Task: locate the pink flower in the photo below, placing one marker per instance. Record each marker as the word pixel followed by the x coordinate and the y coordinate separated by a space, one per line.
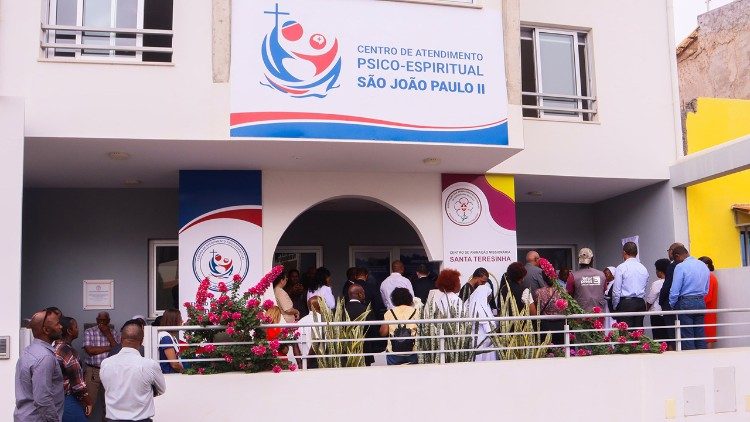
pixel 236 315
pixel 210 348
pixel 252 303
pixel 223 287
pixel 213 318
pixel 202 371
pixel 236 278
pixel 225 315
pixel 622 325
pixel 210 295
pixel 259 350
pixel 572 336
pixel 186 304
pixel 581 352
pixel 637 334
pixel 274 344
pixel 205 284
pixel 608 338
pixel 230 330
pixel 548 269
pixel 274 353
pixel 200 318
pixel 598 324
pixel 621 339
pixel 266 319
pixel 268 304
pixel 597 310
pixel 223 298
pixel 228 358
pixel 663 347
pixel 561 304
pixel 293 367
pixel 276 369
pixel 646 347
pixel 296 334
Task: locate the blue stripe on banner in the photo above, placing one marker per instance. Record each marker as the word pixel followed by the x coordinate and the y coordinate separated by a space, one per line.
pixel 203 191
pixel 493 135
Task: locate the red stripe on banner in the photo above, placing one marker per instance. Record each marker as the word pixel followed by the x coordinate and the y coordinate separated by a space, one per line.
pixel 252 117
pixel 253 216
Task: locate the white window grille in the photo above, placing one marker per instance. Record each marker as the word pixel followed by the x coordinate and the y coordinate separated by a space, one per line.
pixel 111 30
pixel 556 74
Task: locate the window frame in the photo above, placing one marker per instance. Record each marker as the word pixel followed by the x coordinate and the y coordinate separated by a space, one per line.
pixel 153 244
pixel 745 245
pixel 318 250
pixel 476 4
pixel 572 248
pixel 576 116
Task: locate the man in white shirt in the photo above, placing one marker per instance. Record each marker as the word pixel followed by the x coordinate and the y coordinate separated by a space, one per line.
pixel 130 380
pixel 629 286
pixel 396 279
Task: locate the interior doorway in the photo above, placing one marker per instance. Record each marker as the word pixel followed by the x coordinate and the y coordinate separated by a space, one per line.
pixel 347 232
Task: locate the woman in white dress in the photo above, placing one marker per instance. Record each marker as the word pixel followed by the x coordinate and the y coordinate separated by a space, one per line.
pixel 320 286
pixel 479 307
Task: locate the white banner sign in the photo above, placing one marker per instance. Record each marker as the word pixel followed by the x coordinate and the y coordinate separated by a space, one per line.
pixel 479 224
pixel 367 70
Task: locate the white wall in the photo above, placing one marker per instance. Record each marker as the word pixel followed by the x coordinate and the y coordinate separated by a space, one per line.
pixel 613 388
pixel 11 184
pixel 415 197
pixel 635 133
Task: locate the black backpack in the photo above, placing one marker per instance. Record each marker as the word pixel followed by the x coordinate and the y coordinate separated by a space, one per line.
pixel 402 344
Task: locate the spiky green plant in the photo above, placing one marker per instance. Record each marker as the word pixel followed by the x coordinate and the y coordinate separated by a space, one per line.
pixel 351 337
pixel 518 338
pixel 459 335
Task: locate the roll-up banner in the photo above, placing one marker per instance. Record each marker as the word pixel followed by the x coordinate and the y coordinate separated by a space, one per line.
pixel 221 229
pixel 479 223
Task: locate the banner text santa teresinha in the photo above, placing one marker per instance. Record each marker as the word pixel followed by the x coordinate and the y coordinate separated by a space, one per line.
pixel 367 70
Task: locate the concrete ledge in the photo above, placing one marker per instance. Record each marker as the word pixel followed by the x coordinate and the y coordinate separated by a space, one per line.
pixel 711 163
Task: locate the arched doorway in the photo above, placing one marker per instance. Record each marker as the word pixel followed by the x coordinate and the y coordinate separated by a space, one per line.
pixel 345 232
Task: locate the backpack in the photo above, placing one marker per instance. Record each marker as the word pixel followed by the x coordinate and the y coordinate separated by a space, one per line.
pixel 402 344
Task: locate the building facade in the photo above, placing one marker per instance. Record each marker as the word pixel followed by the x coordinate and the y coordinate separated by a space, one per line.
pixel 104 106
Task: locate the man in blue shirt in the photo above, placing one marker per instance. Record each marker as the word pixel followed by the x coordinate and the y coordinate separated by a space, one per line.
pixel 629 286
pixel 689 287
pixel 39 379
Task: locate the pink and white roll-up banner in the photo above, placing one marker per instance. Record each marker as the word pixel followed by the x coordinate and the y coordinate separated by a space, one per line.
pixel 221 229
pixel 479 223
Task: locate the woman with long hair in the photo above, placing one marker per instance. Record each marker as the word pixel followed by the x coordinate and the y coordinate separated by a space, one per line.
pixel 712 302
pixel 283 299
pixel 169 348
pixel 320 285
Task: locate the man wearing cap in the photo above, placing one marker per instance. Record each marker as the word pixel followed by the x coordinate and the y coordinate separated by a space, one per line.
pixel 588 284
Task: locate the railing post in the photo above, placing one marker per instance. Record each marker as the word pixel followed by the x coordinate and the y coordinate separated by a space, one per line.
pixel 677 335
pixel 566 333
pixel 441 342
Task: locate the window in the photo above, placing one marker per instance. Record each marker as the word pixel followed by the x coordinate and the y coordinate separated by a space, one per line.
pixel 745 245
pixel 123 30
pixel 163 276
pixel 377 259
pixel 555 74
pixel 298 257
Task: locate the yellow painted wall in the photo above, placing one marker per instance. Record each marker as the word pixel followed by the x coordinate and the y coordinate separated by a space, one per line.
pixel 710 216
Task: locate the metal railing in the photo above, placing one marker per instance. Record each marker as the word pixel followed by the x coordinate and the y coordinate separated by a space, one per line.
pixel 88 42
pixel 444 351
pixel 585 107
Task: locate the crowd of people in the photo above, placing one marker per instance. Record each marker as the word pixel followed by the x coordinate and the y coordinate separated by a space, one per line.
pixel 54 384
pixel 683 283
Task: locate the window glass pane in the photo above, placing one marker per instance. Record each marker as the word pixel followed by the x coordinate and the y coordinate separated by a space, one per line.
pixel 745 247
pixel 584 76
pixel 65 15
pixel 157 14
pixel 528 77
pixel 126 17
pixel 558 69
pixel 167 282
pixel 378 264
pixel 66 12
pixel 97 13
pixel 308 260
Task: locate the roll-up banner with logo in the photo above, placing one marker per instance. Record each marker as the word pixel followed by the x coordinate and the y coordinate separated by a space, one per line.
pixel 220 229
pixel 479 223
pixel 367 70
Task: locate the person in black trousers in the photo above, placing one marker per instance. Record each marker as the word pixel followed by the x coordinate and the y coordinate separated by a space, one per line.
pixel 669 320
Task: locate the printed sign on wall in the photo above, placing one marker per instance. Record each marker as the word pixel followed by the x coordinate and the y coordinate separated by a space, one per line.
pixel 479 223
pixel 367 70
pixel 221 231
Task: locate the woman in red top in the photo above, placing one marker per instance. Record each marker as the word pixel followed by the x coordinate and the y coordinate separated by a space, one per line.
pixel 711 300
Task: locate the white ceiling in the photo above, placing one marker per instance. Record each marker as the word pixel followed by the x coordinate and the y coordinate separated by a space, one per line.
pixel 84 163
